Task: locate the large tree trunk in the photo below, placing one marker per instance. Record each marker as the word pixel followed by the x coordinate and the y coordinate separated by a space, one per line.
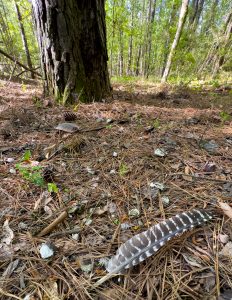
pixel 24 39
pixel 72 41
pixel 183 12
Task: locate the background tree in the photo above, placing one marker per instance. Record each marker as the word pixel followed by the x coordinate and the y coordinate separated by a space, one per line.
pixel 183 12
pixel 24 38
pixel 140 34
pixel 11 41
pixel 72 41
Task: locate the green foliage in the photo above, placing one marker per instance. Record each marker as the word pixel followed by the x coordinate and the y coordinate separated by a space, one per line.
pixel 123 169
pixel 37 101
pixel 26 156
pixel 24 87
pixel 11 41
pixel 224 116
pixel 32 174
pixel 52 188
pixel 214 83
pixel 116 221
pixel 109 126
pixel 128 21
pixel 137 46
pixel 156 124
pixel 190 58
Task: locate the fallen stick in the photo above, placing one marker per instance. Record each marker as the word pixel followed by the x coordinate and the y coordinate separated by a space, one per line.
pixel 19 63
pixel 65 232
pixel 200 177
pixel 52 225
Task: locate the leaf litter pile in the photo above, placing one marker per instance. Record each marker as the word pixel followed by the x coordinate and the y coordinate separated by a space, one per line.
pixel 76 183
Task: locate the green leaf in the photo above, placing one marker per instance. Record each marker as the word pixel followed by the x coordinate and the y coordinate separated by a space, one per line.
pixel 26 156
pixel 52 187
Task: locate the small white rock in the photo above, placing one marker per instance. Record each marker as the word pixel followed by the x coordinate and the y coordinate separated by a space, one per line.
pixel 87 268
pixel 46 251
pixel 134 212
pixel 160 152
pixel 224 238
pixel 115 154
pixel 10 159
pixel 125 226
pixel 75 236
pixel 112 208
pixel 165 200
pixel 112 172
pixel 22 225
pixel 88 222
pixel 90 171
pixel 157 185
pixel 108 121
pixel 12 171
pixel 140 223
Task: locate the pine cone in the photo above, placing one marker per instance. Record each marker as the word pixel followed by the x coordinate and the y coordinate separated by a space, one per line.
pixel 70 116
pixel 49 173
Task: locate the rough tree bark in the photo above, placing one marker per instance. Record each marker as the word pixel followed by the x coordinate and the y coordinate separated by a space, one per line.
pixel 24 39
pixel 72 40
pixel 183 13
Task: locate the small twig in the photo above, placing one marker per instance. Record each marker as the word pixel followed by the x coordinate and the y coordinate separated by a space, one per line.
pixel 7 194
pixel 112 240
pixel 12 73
pixel 52 225
pixel 188 193
pixel 200 177
pixel 92 129
pixel 103 279
pixel 65 232
pixel 19 74
pixel 2 292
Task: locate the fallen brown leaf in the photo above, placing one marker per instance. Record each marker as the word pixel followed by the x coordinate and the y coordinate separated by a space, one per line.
pixel 226 209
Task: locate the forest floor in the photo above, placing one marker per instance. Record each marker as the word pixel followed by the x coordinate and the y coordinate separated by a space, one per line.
pixel 149 152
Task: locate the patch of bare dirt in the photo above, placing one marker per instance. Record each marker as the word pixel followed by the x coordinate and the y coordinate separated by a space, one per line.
pixel 103 173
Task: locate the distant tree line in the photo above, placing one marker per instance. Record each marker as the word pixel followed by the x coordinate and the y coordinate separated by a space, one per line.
pixel 142 33
pixel 160 39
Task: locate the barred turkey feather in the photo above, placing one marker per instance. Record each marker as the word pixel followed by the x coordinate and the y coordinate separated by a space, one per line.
pixel 145 244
